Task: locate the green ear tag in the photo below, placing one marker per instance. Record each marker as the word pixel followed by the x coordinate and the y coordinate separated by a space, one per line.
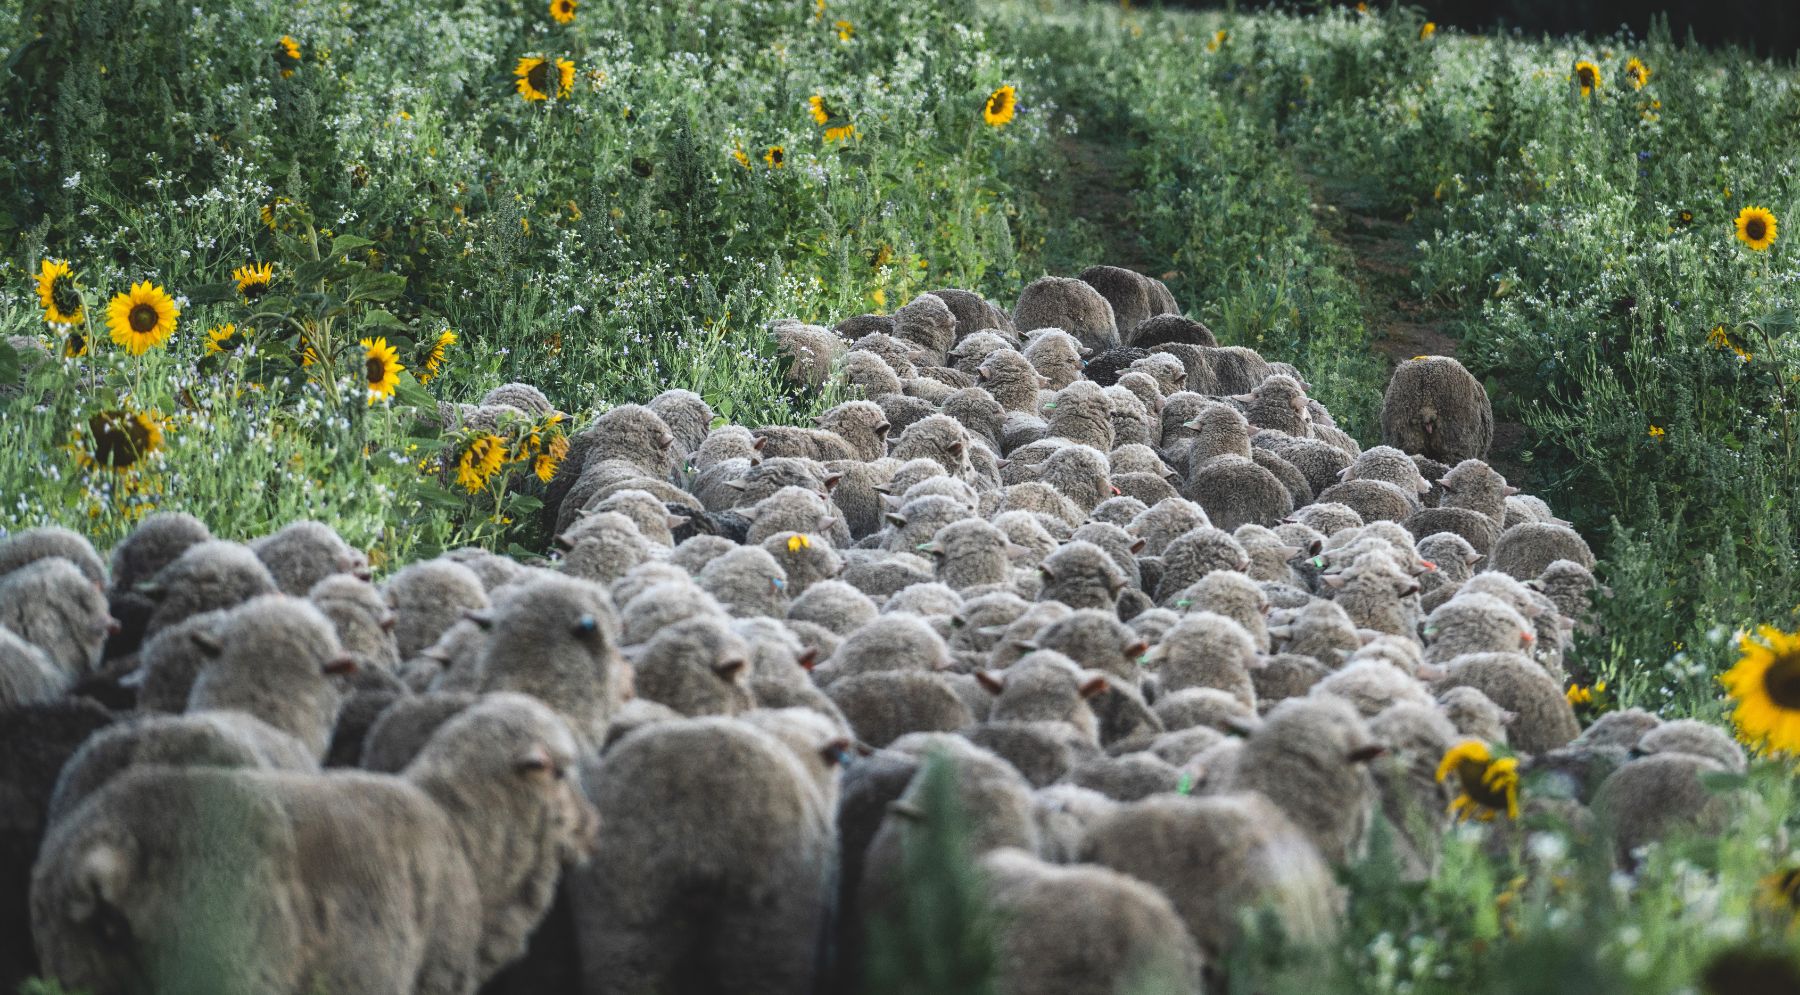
pixel 1144 661
pixel 921 546
pixel 1185 785
pixel 1184 603
pixel 1049 405
pixel 1319 561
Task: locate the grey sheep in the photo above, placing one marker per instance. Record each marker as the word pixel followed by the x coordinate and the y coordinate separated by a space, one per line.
pixel 1693 737
pixel 698 666
pixel 1372 500
pixel 1183 745
pixel 1126 778
pixel 973 349
pixel 557 639
pixel 1165 521
pixel 973 313
pixel 928 323
pixel 1387 464
pixel 881 575
pixel 1168 372
pixel 747 581
pixel 1436 408
pixel 1013 380
pixel 1133 297
pixel 807 443
pixel 893 642
pixel 898 355
pixel 27 675
pixel 1476 486
pixel 401 731
pixel 1328 517
pixel 1233 595
pixel 30 545
pixel 1279 403
pixel 1217 430
pixel 939 438
pixel 1056 355
pixel 1080 474
pixel 154 544
pixel 1217 857
pixel 916 524
pixel 206 576
pixel 1473 622
pixel 727 442
pixel 1082 413
pixel 1525 550
pixel 169 661
pixel 1270 556
pixel 804 559
pixel 1526 508
pixel 1029 532
pixel 1320 463
pixel 1045 686
pixel 1659 796
pixel 1284 676
pixel 695 552
pixel 1124 509
pixel 1475 715
pixel 1163 329
pixel 1235 490
pixel 523 396
pixel 1236 370
pixel 983 621
pixel 1206 651
pixel 52 605
pixel 1372 686
pixel 1081 575
pixel 646 511
pixel 1193 555
pixel 1310 757
pixel 1096 640
pixel 835 605
pixel 362 619
pixel 978 412
pixel 1205 707
pixel 884 705
pixel 428 598
pixel 867 370
pixel 970 553
pixel 1377 594
pixel 274 658
pixel 1412 799
pixel 633 434
pixel 1321 630
pixel 902 411
pixel 1471 526
pixel 687 415
pixel 858 502
pixel 494 571
pixel 1132 421
pixel 1571 587
pixel 1544 720
pixel 861 424
pixel 1070 305
pixel 302 553
pixel 1043 752
pixel 603 546
pixel 934 602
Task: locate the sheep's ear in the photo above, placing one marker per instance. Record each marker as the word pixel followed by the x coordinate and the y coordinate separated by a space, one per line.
pixel 737 485
pixel 983 374
pixel 907 811
pixel 1367 636
pixel 1509 490
pixel 481 617
pixel 564 542
pixel 1138 547
pixel 1043 383
pixel 677 521
pixel 388 621
pixel 932 548
pixel 1287 552
pixel 1094 686
pixel 809 658
pixel 896 519
pixel 206 642
pixel 1334 581
pixel 730 669
pixel 1243 397
pixel 994 683
pixel 835 752
pixel 1281 631
pixel 1424 486
pixel 535 762
pixel 152 590
pixel 1448 487
pixel 957 448
pixel 1028 645
pixel 1344 474
pixel 832 480
pixel 1238 725
pixel 1046 571
pixel 1014 551
pixel 1409 589
pixel 761 441
pixel 1508 718
pixel 1364 754
pixel 342 665
pixel 1472 559
pixel 1138 648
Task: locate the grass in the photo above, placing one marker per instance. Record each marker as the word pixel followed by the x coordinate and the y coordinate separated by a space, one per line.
pixel 639 232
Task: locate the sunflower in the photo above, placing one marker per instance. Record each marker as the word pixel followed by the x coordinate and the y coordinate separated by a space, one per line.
pixel 121 439
pixel 434 356
pixel 1426 30
pixel 269 212
pixel 1722 339
pixel 143 318
pixel 1637 72
pixel 1756 228
pixel 1218 40
pixel 75 344
pixel 816 107
pixel 381 368
pixel 562 11
pixel 1765 683
pixel 58 292
pixel 842 132
pixel 223 339
pixel 287 55
pixel 544 466
pixel 742 157
pixel 1684 218
pixel 1490 786
pixel 775 157
pixel 480 461
pixel 534 80
pixel 844 30
pixel 1657 432
pixel 1000 106
pixel 253 280
pixel 1587 77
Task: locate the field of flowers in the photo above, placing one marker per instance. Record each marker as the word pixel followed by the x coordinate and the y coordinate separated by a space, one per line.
pixel 247 249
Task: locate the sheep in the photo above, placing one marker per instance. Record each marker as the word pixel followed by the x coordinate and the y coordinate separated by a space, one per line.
pixel 1376 594
pixel 1206 651
pixel 1078 473
pixel 1527 508
pixel 1412 799
pixel 1166 371
pixel 723 444
pixel 695 552
pixel 274 658
pixel 1476 486
pixel 1043 752
pixel 1571 587
pixel 917 522
pixel 1658 796
pixel 1164 522
pixel 1212 708
pixel 206 576
pixel 557 639
pixel 1284 676
pixel 50 604
pixel 1014 381
pixel 835 605
pixel 1544 719
pixel 893 642
pixel 1131 419
pixel 938 438
pixel 1436 408
pixel 1525 550
pixel 747 581
pixel 1235 490
pixel 928 323
pixel 882 574
pixel 603 546
pixel 1695 738
pixel 169 661
pixel 804 559
pixel 1045 686
pixel 776 473
pixel 633 434
pixel 646 512
pixel 1471 526
pixel 1452 558
pixel 1321 464
pixel 1233 595
pixel 495 571
pixel 523 396
pixel 27 675
pixel 1097 640
pixel 1081 575
pixel 688 417
pixel 1162 329
pixel 1128 777
pixel 1071 306
pixel 1372 500
pixel 806 443
pixel 1029 533
pixel 1475 715
pixel 1193 555
pixel 302 553
pixel 1056 355
pixel 882 706
pixel 1474 622
pixel 1218 430
pixel 154 544
pixel 972 349
pixel 204 739
pixel 427 599
pixel 1217 857
pixel 698 666
pixel 857 497
pixel 983 621
pixel 1133 297
pixel 934 602
pixel 1279 403
pixel 30 545
pixel 970 553
pixel 455 892
pixel 1385 463
pixel 1328 517
pixel 973 314
pixel 1372 686
pixel 1310 757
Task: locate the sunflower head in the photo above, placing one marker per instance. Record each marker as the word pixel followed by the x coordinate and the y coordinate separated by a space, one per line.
pixel 1637 72
pixel 58 292
pixel 381 368
pixel 544 466
pixel 1721 338
pixel 845 30
pixel 75 344
pixel 775 157
pixel 536 78
pixel 815 105
pixel 1756 228
pixel 1765 684
pixel 253 280
pixel 1427 29
pixel 223 339
pixel 121 439
pixel 1000 106
pixel 481 458
pixel 1218 40
pixel 841 133
pixel 1490 785
pixel 271 214
pixel 287 55
pixel 1656 432
pixel 562 11
pixel 433 360
pixel 142 318
pixel 1587 77
pixel 742 157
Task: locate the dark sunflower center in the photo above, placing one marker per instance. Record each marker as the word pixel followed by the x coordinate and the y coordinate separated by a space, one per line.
pixel 1587 76
pixel 997 103
pixel 119 438
pixel 1756 228
pixel 539 77
pixel 75 345
pixel 1782 681
pixel 375 369
pixel 776 156
pixel 63 295
pixel 143 318
pixel 1470 773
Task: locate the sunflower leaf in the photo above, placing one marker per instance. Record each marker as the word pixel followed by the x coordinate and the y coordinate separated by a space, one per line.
pixel 409 393
pixel 212 293
pixel 377 320
pixel 371 286
pixel 432 494
pixel 345 244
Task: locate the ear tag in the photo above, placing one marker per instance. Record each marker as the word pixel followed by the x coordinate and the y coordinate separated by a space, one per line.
pixel 1318 561
pixel 1185 785
pixel 1144 661
pixel 1184 603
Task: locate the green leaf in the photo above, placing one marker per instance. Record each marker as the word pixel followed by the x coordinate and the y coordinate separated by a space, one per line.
pixel 431 493
pixel 379 320
pixel 9 362
pixel 346 244
pixel 410 393
pixel 369 285
pixel 212 293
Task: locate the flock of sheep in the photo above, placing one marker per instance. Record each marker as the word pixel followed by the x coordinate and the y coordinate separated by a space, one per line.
pixel 1181 639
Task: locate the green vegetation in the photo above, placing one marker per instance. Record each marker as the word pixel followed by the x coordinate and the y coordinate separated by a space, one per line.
pixel 1576 249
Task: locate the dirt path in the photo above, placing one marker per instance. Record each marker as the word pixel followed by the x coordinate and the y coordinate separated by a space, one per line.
pixel 1401 324
pixel 1099 173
